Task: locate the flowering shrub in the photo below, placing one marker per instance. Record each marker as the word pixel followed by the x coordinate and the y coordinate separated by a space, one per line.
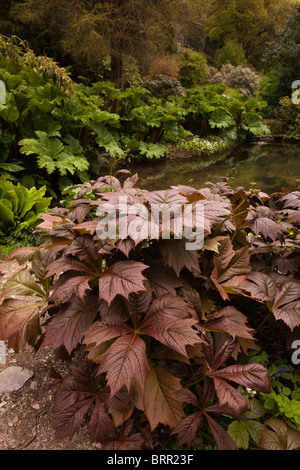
pixel 237 77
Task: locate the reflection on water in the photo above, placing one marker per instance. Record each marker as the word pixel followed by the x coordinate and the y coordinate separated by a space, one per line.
pixel 270 166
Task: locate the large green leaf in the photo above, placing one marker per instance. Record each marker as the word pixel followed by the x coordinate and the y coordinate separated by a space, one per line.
pixel 221 119
pixel 252 122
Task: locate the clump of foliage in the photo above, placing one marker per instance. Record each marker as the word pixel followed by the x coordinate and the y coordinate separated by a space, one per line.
pixel 231 53
pixel 282 404
pixel 20 209
pixel 282 58
pixel 162 86
pixel 211 110
pixel 288 114
pixel 237 77
pixel 166 331
pixel 54 131
pixel 192 68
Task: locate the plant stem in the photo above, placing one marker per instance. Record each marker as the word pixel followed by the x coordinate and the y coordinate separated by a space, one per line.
pixel 263 322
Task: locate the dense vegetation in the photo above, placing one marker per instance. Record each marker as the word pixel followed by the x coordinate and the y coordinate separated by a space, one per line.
pixel 53 127
pixel 181 348
pixel 166 331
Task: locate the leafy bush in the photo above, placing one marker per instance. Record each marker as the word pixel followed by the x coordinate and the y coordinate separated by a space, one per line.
pixel 20 209
pixel 210 110
pixel 288 114
pixel 192 68
pixel 237 77
pixel 53 131
pixel 166 66
pixel 162 86
pixel 231 53
pixel 166 332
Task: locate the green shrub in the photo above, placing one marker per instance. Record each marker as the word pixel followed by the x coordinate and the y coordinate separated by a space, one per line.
pixel 231 53
pixel 163 86
pixel 288 114
pixel 20 209
pixel 192 68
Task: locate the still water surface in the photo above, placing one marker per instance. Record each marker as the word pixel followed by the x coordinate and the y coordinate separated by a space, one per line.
pixel 270 166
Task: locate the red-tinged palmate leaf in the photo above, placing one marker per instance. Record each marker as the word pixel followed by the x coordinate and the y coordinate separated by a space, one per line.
pixel 125 440
pixel 169 196
pixel 292 200
pixel 138 304
pixel 166 306
pixel 69 263
pixel 282 296
pixel 176 256
pixel 224 275
pixel 289 313
pixel 69 284
pixel 173 332
pixel 222 439
pixel 51 222
pixel 160 402
pixel 68 326
pixel 125 246
pixel 83 247
pixel 162 279
pixel 231 321
pixel 229 396
pixel 225 252
pixel 260 286
pixel 112 326
pixel 252 375
pixel 259 220
pixel 238 265
pixel 124 361
pixel 123 278
pixel 19 322
pixel 73 399
pixel 120 406
pixel 222 354
pixel 23 254
pixel 187 429
pixel 100 425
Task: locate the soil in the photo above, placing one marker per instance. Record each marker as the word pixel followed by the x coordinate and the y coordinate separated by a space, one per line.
pixel 25 414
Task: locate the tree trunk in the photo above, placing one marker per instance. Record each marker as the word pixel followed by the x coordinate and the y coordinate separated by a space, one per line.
pixel 117 69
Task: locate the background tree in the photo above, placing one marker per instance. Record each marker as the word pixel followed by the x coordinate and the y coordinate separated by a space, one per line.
pixel 221 26
pixel 88 31
pixel 283 58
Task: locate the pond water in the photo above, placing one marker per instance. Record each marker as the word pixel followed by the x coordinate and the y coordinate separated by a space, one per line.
pixel 270 166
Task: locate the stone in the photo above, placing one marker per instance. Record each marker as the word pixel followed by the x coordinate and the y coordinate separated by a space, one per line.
pixel 35 406
pixel 13 378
